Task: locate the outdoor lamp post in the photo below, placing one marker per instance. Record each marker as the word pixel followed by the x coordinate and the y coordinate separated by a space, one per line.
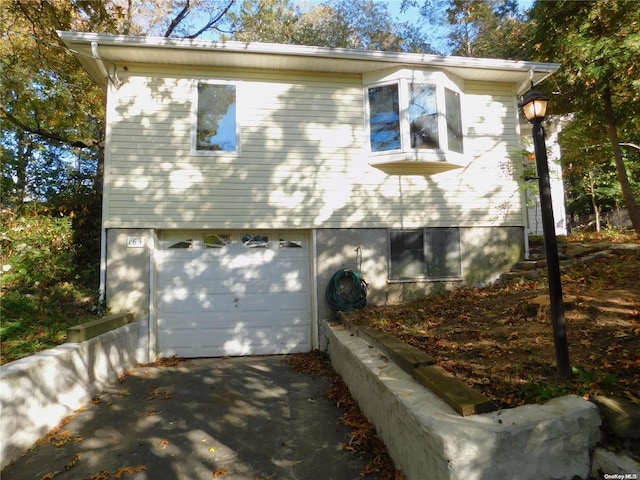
pixel 534 107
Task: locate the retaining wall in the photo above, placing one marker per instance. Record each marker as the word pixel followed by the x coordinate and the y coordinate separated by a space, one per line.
pixel 427 439
pixel 38 391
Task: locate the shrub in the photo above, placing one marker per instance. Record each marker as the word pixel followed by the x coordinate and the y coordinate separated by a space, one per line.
pixel 37 250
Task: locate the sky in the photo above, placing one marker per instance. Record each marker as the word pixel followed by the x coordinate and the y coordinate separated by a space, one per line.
pixel 439 35
pixel 439 40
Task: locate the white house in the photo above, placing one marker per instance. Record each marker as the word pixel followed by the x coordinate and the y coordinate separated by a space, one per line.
pixel 553 127
pixel 240 177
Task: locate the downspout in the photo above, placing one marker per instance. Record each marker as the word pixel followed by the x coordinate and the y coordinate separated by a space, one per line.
pixel 103 231
pixel 102 296
pixel 99 62
pixel 152 337
pixel 529 83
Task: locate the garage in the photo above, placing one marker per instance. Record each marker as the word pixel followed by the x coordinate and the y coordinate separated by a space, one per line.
pixel 233 293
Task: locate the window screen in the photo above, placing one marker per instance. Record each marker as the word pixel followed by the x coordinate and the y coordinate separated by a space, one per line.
pixel 443 252
pixel 454 120
pixel 429 253
pixel 423 116
pixel 384 118
pixel 407 254
pixel 216 118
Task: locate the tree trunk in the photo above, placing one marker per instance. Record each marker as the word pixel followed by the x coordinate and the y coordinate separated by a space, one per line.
pixel 25 150
pixel 627 193
pixel 594 203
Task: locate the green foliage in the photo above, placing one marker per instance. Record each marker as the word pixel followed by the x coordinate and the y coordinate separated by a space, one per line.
pixel 478 28
pixel 362 24
pixel 41 295
pixel 37 251
pixel 598 45
pixel 51 111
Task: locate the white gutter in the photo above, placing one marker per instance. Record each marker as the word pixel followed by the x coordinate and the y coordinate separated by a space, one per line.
pixel 76 39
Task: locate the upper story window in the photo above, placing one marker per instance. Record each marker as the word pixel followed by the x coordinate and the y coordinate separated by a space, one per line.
pixel 215 118
pixel 414 115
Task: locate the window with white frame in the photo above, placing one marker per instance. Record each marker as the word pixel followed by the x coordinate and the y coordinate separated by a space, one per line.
pixel 215 118
pixel 414 115
pixel 424 254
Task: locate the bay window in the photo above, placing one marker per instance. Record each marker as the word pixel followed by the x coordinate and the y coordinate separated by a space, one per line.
pixel 414 116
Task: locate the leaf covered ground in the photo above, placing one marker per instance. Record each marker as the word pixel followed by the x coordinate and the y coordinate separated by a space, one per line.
pixel 364 441
pixel 499 340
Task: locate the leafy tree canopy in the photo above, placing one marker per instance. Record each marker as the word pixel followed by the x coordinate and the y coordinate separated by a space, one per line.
pixel 598 45
pixel 363 24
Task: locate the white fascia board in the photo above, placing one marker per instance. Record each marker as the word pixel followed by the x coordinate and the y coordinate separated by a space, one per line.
pixel 334 60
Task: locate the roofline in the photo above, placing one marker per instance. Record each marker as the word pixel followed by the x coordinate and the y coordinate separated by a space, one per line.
pixel 283 50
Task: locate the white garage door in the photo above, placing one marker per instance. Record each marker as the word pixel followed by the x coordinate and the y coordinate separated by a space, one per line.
pixel 233 293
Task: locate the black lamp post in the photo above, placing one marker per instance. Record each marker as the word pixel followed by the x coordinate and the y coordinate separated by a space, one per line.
pixel 534 107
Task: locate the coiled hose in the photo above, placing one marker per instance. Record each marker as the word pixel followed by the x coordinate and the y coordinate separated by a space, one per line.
pixel 346 290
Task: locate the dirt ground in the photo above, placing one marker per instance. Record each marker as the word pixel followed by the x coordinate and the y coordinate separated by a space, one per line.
pixel 500 340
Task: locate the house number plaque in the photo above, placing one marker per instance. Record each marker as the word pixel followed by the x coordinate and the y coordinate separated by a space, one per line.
pixel 135 242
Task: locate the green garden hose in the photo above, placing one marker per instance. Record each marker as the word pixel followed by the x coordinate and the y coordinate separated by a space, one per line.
pixel 346 291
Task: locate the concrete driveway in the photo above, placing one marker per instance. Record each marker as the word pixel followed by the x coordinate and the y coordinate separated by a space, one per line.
pixel 243 418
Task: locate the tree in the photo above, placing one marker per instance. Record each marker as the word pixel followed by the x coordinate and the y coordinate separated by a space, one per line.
pixel 50 107
pixel 362 24
pixel 477 28
pixel 590 177
pixel 598 44
pixel 51 111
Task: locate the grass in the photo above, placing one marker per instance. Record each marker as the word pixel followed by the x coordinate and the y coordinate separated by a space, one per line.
pixel 38 320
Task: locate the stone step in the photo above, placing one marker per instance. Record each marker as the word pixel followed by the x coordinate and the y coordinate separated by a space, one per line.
pixel 521 275
pixel 526 265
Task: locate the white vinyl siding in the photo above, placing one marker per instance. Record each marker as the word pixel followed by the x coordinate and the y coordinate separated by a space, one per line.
pixel 303 162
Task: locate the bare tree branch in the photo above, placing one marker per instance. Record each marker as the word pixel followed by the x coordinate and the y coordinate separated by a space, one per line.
pixel 622 144
pixel 176 21
pixel 213 20
pixel 89 143
pixel 632 145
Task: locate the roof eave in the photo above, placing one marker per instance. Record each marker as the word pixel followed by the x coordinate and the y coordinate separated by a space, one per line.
pixel 331 59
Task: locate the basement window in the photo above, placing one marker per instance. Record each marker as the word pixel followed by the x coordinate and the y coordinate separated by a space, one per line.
pixel 425 254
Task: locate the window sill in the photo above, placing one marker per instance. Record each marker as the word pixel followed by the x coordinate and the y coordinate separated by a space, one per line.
pixel 417 163
pixel 426 280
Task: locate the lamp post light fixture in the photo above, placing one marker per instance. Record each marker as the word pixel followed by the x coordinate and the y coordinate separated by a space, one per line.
pixel 534 107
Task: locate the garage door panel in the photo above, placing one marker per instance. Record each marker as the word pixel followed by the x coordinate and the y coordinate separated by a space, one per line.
pixel 243 339
pixel 233 300
pixel 194 303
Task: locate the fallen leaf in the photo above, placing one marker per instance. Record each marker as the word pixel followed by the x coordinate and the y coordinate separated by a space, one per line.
pixel 212 449
pixel 72 463
pixel 49 476
pixel 221 472
pixel 132 470
pixel 164 443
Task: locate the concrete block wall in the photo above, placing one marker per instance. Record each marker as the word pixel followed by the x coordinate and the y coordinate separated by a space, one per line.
pixel 427 439
pixel 39 391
